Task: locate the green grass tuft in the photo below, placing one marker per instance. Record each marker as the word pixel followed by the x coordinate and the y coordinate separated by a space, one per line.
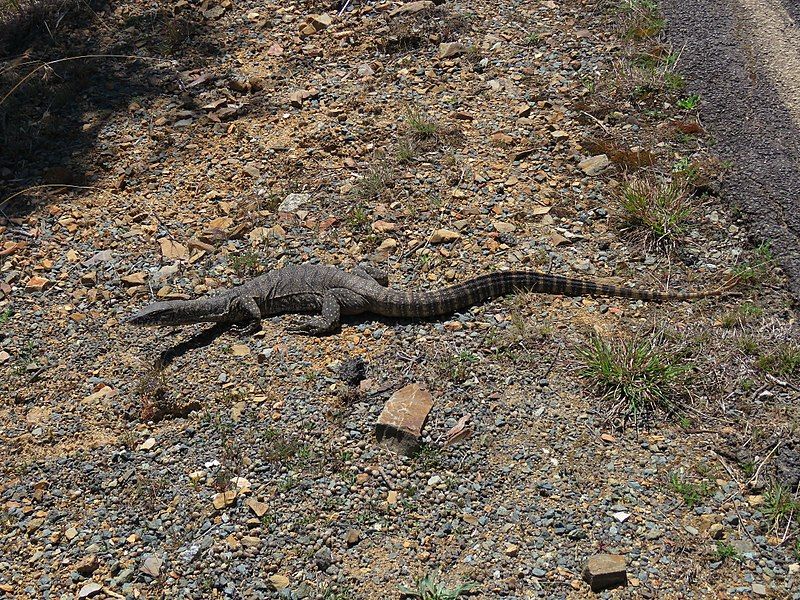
pixel 635 374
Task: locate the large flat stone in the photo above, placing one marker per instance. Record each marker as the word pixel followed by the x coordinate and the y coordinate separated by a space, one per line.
pixel 400 423
pixel 605 571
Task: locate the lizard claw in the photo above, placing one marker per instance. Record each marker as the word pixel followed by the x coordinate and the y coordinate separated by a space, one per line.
pixel 309 327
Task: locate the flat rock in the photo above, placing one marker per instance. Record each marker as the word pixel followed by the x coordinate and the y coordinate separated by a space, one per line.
pixel 36 284
pixel 443 236
pixel 260 508
pixel 89 589
pixel 87 565
pixel 152 566
pixel 605 571
pixel 451 49
pixel 411 7
pixel 400 423
pixel 292 202
pixel 594 164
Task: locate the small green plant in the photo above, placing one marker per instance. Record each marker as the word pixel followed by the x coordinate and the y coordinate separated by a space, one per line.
pixel 456 366
pixel 690 102
pixel 725 551
pixel 741 315
pixel 691 493
pixel 5 316
pixel 421 125
pixel 748 345
pixel 246 263
pixel 635 374
pixel 759 268
pixel 659 207
pixel 641 19
pixel 532 39
pixel 782 360
pixel 374 183
pixel 358 217
pixel 779 504
pixel 406 151
pixel 430 587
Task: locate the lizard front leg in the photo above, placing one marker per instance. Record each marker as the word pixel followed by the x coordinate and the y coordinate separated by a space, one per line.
pixel 247 313
pixel 327 322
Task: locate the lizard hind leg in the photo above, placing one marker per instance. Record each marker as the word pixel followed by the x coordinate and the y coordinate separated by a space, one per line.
pixel 375 274
pixel 325 323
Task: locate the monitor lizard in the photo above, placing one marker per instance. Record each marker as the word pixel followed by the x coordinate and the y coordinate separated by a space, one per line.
pixel 333 292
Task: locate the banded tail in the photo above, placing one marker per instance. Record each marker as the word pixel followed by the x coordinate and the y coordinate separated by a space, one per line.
pixel 493 285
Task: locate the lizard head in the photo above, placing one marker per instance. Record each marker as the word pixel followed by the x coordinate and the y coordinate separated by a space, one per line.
pixel 177 312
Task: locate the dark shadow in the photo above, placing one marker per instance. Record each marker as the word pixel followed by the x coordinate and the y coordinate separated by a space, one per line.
pixel 52 123
pixel 199 340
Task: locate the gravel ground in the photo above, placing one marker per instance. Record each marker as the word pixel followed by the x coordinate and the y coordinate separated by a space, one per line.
pixel 247 468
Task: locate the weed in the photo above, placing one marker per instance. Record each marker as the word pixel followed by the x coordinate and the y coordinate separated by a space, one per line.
pixel 741 315
pixel 779 504
pixel 691 493
pixel 406 151
pixel 338 593
pixel 748 345
pixel 661 208
pixel 5 316
pixel 246 263
pixel 374 183
pixel 456 367
pixel 641 19
pixel 430 587
pixel 421 125
pixel 759 268
pixel 690 102
pixel 635 373
pixel 358 217
pixel 781 361
pixel 532 39
pixel 674 81
pixel 725 551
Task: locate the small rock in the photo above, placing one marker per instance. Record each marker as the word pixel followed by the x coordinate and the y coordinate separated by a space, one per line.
pixel 259 508
pixel 152 566
pixel 71 533
pixel 621 516
pixel 292 202
pixel 451 49
pixel 759 589
pixel 365 71
pixel 716 531
pixel 323 558
pixel 134 279
pixel 403 417
pixel 605 571
pixel 501 227
pixel 755 500
pixel 743 546
pixel 147 444
pixel 89 589
pixel 279 581
pixel 87 565
pixel 511 550
pixel 224 499
pixel 594 164
pixel 443 236
pixel 352 538
pixel 411 8
pixel 36 284
pixel 250 541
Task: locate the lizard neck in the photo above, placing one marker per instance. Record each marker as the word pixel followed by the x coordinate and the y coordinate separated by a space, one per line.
pixel 212 309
